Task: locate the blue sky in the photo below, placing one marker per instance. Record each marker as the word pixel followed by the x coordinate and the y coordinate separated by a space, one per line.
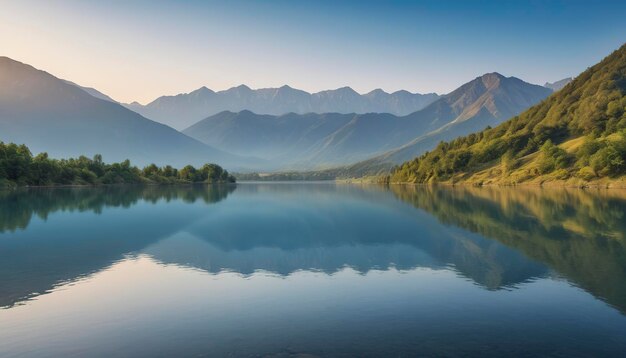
pixel 138 50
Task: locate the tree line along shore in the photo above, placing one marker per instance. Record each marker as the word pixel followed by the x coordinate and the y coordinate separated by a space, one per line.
pixel 18 167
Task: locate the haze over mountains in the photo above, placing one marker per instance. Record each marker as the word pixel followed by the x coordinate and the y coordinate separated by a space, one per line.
pixel 493 99
pixel 555 86
pixel 314 141
pixel 92 91
pixel 51 115
pixel 183 110
pixel 67 120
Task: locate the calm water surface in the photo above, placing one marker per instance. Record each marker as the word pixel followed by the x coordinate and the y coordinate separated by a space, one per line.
pixel 305 270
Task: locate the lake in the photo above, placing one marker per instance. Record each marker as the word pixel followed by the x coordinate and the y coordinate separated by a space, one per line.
pixel 312 269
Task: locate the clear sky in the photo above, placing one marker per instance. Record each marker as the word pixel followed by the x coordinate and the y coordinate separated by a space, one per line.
pixel 139 50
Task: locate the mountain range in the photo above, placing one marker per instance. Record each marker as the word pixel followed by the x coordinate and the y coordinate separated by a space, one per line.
pixel 67 120
pixel 52 115
pixel 576 135
pixel 488 102
pixel 315 141
pixel 185 109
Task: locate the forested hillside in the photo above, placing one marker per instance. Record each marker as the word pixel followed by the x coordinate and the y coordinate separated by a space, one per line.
pixel 577 134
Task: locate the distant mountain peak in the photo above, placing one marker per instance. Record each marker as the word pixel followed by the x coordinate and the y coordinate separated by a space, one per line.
pixel 346 90
pixel 204 89
pixel 492 75
pixel 492 79
pixel 288 90
pixel 555 86
pixel 482 94
pixel 377 91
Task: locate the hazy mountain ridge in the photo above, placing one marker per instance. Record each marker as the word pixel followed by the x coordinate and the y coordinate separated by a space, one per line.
pixel 50 115
pixel 92 91
pixel 314 141
pixel 183 110
pixel 65 119
pixel 555 86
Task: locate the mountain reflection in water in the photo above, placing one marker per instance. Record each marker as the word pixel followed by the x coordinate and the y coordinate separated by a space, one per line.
pixel 496 237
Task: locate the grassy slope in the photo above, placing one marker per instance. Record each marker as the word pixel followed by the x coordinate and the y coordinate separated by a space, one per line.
pixel 586 120
pixel 492 173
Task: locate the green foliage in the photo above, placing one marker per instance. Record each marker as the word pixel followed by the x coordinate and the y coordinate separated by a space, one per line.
pixel 18 167
pixel 593 105
pixel 551 158
pixel 609 160
pixel 508 162
pixel 586 173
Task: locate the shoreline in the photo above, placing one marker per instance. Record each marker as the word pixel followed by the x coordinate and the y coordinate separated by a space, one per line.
pixel 105 185
pixel 620 184
pixel 591 185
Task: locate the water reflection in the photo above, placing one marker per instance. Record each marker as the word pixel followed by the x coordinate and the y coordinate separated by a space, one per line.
pixel 17 207
pixel 581 234
pixel 286 228
pixel 497 238
pixel 52 236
